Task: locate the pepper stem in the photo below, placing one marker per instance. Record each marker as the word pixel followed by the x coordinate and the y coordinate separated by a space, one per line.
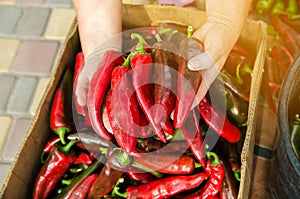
pixel 65 149
pixel 216 160
pixel 197 165
pixel 237 73
pixel 140 44
pixel 66 181
pixel 123 158
pixel 157 37
pixel 116 192
pixel 237 175
pixel 61 132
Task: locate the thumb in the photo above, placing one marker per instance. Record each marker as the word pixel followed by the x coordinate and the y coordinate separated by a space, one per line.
pixel 200 62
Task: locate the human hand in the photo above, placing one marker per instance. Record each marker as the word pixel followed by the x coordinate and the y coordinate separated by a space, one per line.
pixel 219 34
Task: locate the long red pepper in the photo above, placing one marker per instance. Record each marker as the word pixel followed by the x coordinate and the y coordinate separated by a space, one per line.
pixel 193 135
pixel 82 189
pixel 126 140
pixel 213 186
pixel 229 186
pixel 98 87
pixel 141 63
pixel 61 158
pixel 165 187
pixel 165 58
pixel 293 23
pixel 140 176
pixel 283 57
pixel 104 183
pixel 126 110
pixel 61 118
pixel 150 145
pixel 218 122
pixel 188 81
pixel 167 163
pixel 83 117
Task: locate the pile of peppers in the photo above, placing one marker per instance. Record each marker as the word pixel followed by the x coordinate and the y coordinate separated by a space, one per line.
pixel 144 152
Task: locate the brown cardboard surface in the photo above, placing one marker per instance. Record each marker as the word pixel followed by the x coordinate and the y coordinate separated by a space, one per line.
pixel 27 162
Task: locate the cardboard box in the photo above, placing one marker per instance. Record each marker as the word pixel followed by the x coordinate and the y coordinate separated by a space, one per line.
pixel 20 180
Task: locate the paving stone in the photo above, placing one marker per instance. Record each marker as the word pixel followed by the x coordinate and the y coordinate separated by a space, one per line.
pixel 35 57
pixel 59 3
pixel 8 50
pixel 31 2
pixel 6 85
pixel 7 2
pixel 59 23
pixel 9 17
pixel 21 95
pixel 5 123
pixel 40 90
pixel 4 168
pixel 15 138
pixel 33 21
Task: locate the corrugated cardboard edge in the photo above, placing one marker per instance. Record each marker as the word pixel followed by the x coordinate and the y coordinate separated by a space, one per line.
pixel 151 15
pixel 32 144
pixel 248 147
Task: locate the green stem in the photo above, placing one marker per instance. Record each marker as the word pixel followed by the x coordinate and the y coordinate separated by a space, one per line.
pixel 123 158
pixel 65 149
pixel 116 192
pixel 157 37
pixel 297 117
pixel 237 175
pixel 44 157
pixel 66 181
pixel 248 69
pixel 143 167
pixel 140 44
pixel 292 7
pixel 61 132
pixel 237 72
pixel 197 165
pixel 278 7
pixel 216 160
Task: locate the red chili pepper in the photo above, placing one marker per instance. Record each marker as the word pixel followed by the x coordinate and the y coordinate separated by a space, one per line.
pixel 105 182
pixel 193 135
pixel 293 23
pixel 61 158
pixel 188 81
pixel 61 118
pixel 125 139
pixel 140 176
pixel 282 57
pixel 213 186
pixel 165 57
pixel 165 187
pixel 83 120
pixel 82 189
pixel 98 87
pixel 83 158
pixel 150 145
pixel 167 163
pixel 50 144
pixel 141 62
pixel 126 110
pixel 229 186
pixel 218 122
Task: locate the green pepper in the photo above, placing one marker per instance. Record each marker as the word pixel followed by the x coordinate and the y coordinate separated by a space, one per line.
pixel 295 134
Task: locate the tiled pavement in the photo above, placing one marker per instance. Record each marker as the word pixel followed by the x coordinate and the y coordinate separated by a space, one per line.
pixel 31 35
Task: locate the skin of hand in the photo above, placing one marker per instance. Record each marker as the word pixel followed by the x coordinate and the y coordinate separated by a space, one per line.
pixel 98 21
pixel 219 33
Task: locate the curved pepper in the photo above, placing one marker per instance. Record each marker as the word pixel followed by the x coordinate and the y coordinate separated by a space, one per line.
pixel 61 118
pixel 141 63
pixel 59 161
pixel 295 134
pixel 165 187
pixel 214 119
pixel 213 186
pixel 165 58
pixel 188 81
pixel 97 89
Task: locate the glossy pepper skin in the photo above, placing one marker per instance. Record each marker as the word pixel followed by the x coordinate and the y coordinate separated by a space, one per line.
pixel 98 87
pixel 215 172
pixel 125 139
pixel 150 145
pixel 165 58
pixel 214 119
pixel 140 176
pixel 188 81
pixel 51 172
pixel 83 120
pixel 229 186
pixel 165 187
pixel 82 189
pixel 141 63
pixel 167 163
pixel 77 185
pixel 104 183
pixel 126 110
pixel 61 118
pixel 193 135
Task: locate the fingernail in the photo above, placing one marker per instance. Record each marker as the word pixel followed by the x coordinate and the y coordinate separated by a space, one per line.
pixel 200 62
